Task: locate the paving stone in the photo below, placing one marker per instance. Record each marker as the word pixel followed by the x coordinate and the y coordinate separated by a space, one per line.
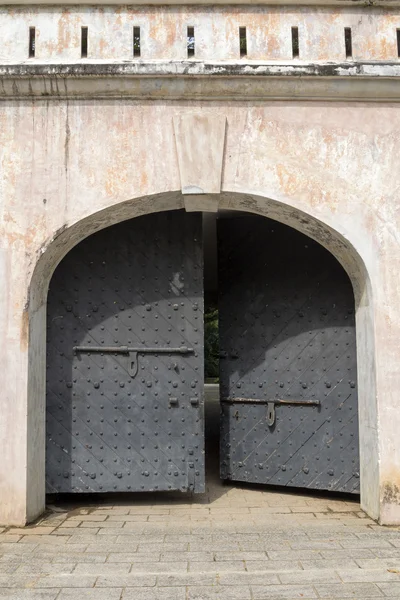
pixel 187 579
pixel 149 547
pixel 49 550
pixel 382 532
pixel 342 508
pixel 109 531
pixel 154 594
pixel 91 517
pixel 30 530
pixel 102 568
pixel 293 554
pixel 283 591
pixel 147 509
pixel 217 567
pixel 102 547
pixel 188 556
pixel 17 581
pixel 90 594
pixel 326 535
pixel 225 510
pixel 310 576
pixel 8 567
pixel 350 590
pixel 134 557
pixel 13 594
pixel 365 543
pixel 45 568
pixel 315 545
pixel 270 510
pixel 128 518
pixel 348 553
pixel 78 530
pixel 224 593
pixel 123 580
pixel 11 558
pixel 113 510
pixel 248 579
pixel 272 565
pixel 236 537
pixel 378 563
pixel 338 563
pixel 54 519
pixel 144 536
pixel 385 552
pixel 391 589
pixel 373 575
pixel 68 547
pixel 222 556
pixel 46 540
pixel 180 539
pixel 160 567
pixel 307 509
pixel 259 546
pixel 80 557
pixel 378 528
pixel 106 525
pixel 17 548
pixel 88 538
pixel 214 547
pixel 65 581
pixel 11 539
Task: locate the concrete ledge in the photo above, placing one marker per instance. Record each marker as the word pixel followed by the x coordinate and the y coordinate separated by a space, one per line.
pixel 347 3
pixel 366 81
pixel 194 68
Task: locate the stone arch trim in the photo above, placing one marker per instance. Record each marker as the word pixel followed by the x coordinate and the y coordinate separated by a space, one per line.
pixel 335 241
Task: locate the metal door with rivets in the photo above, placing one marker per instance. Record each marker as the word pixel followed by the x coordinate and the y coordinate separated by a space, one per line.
pixel 288 370
pixel 125 360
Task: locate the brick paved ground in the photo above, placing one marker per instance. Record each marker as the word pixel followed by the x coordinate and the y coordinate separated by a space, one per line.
pixel 232 543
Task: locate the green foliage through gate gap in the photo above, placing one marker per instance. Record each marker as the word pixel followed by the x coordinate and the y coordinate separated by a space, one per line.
pixel 211 345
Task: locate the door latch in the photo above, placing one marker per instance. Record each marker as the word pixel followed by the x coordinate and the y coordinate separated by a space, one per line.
pixel 271 404
pixel 132 353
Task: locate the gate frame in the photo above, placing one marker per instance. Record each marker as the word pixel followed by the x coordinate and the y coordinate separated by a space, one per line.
pixel 328 235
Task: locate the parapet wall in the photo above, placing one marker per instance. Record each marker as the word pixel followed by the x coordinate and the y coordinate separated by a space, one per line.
pixel 205 33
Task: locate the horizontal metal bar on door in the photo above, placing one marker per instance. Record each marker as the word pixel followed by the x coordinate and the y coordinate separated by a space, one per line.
pixel 275 401
pixel 127 350
pixel 271 403
pixel 131 352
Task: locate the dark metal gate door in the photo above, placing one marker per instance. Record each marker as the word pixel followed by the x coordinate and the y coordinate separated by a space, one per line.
pixel 125 360
pixel 288 359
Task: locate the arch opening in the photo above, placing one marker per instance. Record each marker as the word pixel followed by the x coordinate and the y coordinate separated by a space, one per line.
pixel 235 203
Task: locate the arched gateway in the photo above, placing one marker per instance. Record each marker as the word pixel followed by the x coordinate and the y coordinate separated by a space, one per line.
pixel 125 399
pixel 283 112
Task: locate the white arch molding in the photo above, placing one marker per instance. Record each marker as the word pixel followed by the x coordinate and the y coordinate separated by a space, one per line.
pixel 326 234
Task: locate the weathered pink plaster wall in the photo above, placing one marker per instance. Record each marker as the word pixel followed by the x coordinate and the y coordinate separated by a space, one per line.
pixel 328 169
